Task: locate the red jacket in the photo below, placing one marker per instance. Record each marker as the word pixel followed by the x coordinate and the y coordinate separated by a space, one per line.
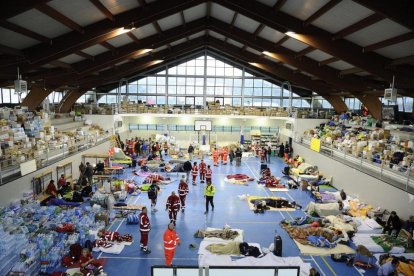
pixel 203 167
pixel 209 173
pixel 173 203
pixel 144 223
pixel 194 170
pixel 171 239
pixel 183 188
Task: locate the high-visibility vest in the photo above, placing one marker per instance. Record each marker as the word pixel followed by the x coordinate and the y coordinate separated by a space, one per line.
pixel 209 190
pixel 194 170
pixel 209 173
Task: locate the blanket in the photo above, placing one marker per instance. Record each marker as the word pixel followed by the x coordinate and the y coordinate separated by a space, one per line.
pixel 301 234
pixel 367 241
pixel 225 234
pixel 388 242
pixel 114 249
pixel 231 248
pixel 316 251
pixel 202 250
pixel 129 207
pixel 323 210
pixel 357 209
pixel 286 207
pixel 142 173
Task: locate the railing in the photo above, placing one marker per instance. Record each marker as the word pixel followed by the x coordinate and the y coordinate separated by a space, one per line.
pixel 397 176
pixel 10 168
pixel 225 270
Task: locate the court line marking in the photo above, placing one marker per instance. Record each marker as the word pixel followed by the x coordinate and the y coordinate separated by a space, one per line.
pixel 319 267
pixel 147 258
pixel 328 265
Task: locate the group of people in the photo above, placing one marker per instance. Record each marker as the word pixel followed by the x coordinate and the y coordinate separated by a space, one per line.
pixel 174 204
pixel 142 147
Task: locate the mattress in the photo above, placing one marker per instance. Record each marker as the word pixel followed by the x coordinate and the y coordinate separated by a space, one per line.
pixel 268 260
pixel 367 226
pixel 203 251
pixel 239 238
pixel 368 242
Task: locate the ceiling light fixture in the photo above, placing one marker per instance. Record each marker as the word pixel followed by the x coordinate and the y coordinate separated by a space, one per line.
pixel 290 33
pixel 130 27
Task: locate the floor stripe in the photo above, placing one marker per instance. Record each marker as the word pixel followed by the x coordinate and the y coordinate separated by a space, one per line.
pixel 328 265
pixel 258 222
pixel 320 269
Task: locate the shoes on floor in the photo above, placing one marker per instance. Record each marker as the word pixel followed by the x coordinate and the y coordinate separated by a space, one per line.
pixel 205 212
pixel 147 251
pixel 182 210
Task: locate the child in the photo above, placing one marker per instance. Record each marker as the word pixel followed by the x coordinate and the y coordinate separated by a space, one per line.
pixel 89 265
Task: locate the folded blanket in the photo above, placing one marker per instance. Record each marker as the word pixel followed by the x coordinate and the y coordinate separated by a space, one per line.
pixel 231 248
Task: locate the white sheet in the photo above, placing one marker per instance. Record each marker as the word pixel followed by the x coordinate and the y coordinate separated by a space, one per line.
pixel 203 251
pixel 114 249
pixel 367 226
pixel 406 255
pixel 279 189
pixel 268 260
pixel 239 238
pixel 365 240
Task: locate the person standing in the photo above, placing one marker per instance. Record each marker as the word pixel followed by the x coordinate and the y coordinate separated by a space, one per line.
pixel 191 151
pixel 203 169
pixel 182 192
pixel 225 155
pixel 215 157
pixel 238 157
pixel 209 174
pixel 281 150
pixel 173 206
pixel 268 152
pixel 209 192
pixel 171 241
pixel 144 228
pixel 89 172
pixel 187 168
pixel 165 148
pixel 153 195
pixel 194 173
pixel 231 156
pixel 262 155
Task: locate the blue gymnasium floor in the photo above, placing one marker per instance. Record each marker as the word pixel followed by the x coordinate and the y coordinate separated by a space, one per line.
pixel 229 209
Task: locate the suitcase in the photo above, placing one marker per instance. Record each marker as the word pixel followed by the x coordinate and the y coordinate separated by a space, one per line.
pixel 278 246
pixel 263 167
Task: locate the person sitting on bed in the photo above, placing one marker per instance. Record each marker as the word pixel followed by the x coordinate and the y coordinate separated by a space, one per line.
pixel 89 265
pixel 393 225
pixel 53 201
pixel 51 188
pixel 388 268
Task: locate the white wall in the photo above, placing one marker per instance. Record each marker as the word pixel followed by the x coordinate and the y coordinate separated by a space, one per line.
pixel 183 137
pixel 367 188
pixel 13 190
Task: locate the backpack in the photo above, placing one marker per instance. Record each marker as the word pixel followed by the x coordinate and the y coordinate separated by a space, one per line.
pixel 152 192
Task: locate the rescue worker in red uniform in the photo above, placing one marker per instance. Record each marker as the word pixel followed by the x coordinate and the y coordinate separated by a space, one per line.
pixel 144 228
pixel 194 172
pixel 209 174
pixel 171 241
pixel 182 192
pixel 262 155
pixel 203 169
pixel 215 157
pixel 173 206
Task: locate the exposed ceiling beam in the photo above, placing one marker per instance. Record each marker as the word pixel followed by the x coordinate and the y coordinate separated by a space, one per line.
pixel 108 46
pixel 305 51
pixel 403 60
pixel 157 27
pixel 320 39
pixel 23 31
pixel 234 19
pixel 85 55
pixel 61 64
pixel 141 3
pixel 103 30
pixel 259 29
pixel 287 56
pixel 131 68
pixel 133 37
pixel 101 7
pixel 10 51
pixel 328 60
pixel 208 9
pixel 182 18
pixel 361 24
pixel 281 41
pixel 12 8
pixel 388 42
pixel 400 11
pixel 350 71
pixel 324 9
pixel 125 52
pixel 47 10
pixel 279 4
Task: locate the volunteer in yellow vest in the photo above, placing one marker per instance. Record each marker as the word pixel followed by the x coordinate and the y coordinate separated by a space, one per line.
pixel 209 192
